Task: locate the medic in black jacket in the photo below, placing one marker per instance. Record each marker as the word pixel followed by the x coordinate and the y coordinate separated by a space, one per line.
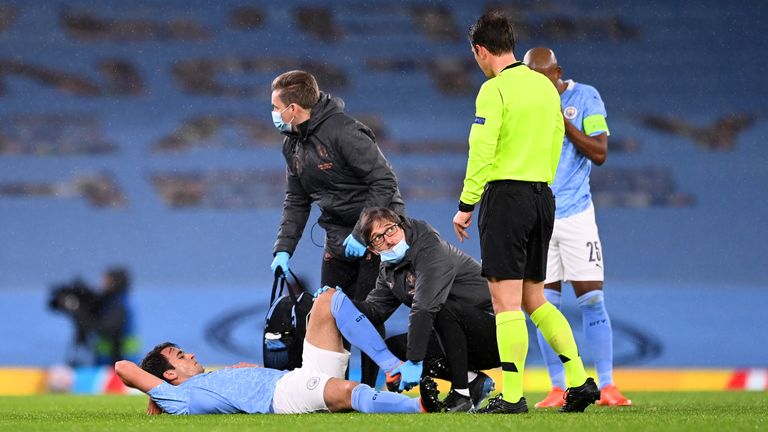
pixel 451 319
pixel 332 160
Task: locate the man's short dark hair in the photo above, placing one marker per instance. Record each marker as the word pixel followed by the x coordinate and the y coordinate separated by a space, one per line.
pixel 155 362
pixel 494 32
pixel 297 87
pixel 373 214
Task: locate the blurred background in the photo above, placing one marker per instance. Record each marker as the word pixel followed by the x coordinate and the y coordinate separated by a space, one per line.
pixel 136 137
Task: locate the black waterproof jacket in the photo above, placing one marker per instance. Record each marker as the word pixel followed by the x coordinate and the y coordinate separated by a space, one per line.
pixel 333 160
pixel 432 271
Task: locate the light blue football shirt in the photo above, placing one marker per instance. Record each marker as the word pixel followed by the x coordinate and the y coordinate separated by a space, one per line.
pixel 571 185
pixel 225 391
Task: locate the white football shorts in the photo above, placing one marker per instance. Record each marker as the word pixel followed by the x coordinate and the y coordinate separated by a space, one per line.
pixel 575 252
pixel 300 391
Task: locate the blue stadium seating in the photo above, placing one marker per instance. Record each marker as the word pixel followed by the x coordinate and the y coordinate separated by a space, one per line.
pixel 691 60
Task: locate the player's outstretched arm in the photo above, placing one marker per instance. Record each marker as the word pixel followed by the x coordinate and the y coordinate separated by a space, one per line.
pixel 136 377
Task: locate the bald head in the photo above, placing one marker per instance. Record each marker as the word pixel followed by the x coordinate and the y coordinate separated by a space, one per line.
pixel 543 61
pixel 540 58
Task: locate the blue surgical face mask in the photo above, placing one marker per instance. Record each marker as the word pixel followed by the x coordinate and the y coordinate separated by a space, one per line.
pixel 277 119
pixel 396 254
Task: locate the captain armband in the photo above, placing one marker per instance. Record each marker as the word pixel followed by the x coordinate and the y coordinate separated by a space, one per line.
pixel 595 123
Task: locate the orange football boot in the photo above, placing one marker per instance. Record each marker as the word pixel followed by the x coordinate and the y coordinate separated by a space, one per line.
pixel 555 399
pixel 611 396
pixel 393 382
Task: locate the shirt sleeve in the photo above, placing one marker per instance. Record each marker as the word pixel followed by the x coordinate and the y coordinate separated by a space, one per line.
pixel 380 303
pixel 557 143
pixel 296 207
pixel 595 125
pixel 483 139
pixel 594 114
pixel 364 158
pixel 172 399
pixel 435 272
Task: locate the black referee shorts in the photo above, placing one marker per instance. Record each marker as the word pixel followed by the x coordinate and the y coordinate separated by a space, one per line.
pixel 515 222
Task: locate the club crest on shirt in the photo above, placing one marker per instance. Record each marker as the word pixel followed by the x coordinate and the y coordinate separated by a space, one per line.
pixel 321 150
pixel 312 383
pixel 410 280
pixel 570 112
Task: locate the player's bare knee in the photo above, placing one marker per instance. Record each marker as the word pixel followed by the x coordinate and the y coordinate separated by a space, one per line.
pixel 326 297
pixel 553 286
pixel 322 304
pixel 582 287
pixel 338 394
pixel 348 388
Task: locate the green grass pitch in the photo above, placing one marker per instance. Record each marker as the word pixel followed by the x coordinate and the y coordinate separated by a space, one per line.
pixel 656 412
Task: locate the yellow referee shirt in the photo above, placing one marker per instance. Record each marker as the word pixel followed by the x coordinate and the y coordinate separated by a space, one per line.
pixel 517 133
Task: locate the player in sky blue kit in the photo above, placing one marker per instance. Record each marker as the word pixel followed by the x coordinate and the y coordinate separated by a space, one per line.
pixel 177 384
pixel 575 254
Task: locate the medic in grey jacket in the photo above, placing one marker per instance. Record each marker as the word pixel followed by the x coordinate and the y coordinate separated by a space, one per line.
pixel 430 272
pixel 333 160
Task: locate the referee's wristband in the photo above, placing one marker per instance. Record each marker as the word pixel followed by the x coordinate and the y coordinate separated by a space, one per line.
pixel 466 207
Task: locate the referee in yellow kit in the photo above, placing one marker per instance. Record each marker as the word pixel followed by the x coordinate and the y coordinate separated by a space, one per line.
pixel 514 148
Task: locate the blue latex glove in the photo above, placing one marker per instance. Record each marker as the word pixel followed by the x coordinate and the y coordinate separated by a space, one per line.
pixel 281 260
pixel 410 374
pixel 353 248
pixel 322 290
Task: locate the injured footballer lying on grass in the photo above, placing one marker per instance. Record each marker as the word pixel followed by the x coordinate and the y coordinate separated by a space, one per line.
pixel 177 384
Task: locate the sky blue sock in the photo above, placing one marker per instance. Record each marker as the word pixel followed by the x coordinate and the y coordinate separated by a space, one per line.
pixel 356 328
pixel 553 362
pixel 598 334
pixel 368 400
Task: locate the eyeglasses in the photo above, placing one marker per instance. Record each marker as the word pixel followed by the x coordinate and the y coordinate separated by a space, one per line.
pixel 378 239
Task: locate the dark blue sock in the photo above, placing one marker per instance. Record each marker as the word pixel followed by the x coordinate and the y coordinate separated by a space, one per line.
pixel 354 325
pixel 368 400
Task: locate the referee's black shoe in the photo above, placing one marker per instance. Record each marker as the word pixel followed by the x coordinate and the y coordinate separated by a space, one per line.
pixel 429 400
pixel 498 405
pixel 577 399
